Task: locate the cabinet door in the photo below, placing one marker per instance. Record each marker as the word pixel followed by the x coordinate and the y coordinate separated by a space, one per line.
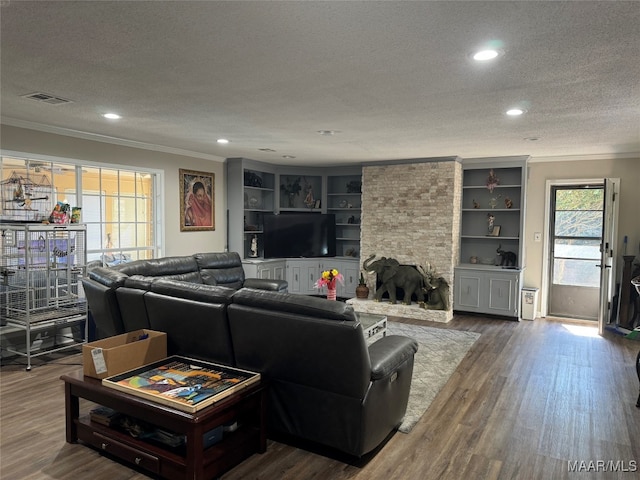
pixel 302 276
pixel 311 273
pixel 468 286
pixel 502 295
pixel 279 271
pixel 264 271
pixel 351 278
pixel 294 276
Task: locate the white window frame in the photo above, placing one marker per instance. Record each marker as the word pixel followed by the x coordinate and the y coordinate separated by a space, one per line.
pixel 158 187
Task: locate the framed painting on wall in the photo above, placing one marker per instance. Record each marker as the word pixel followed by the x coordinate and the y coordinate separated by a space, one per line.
pixel 196 201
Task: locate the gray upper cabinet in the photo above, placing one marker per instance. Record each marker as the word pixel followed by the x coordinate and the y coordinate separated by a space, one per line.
pixel 255 189
pixel 251 193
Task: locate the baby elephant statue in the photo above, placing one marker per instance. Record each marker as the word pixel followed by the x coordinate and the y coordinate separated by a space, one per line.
pixel 508 258
pixel 393 275
pixel 437 290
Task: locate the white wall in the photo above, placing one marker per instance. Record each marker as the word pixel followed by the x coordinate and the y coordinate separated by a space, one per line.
pixel 176 242
pixel 627 170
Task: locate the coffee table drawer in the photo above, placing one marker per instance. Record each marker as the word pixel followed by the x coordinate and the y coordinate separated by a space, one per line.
pixel 125 452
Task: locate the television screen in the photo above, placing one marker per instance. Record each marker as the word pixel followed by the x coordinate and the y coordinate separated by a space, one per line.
pixel 293 235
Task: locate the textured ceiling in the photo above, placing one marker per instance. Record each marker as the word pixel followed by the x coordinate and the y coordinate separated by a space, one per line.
pixel 394 79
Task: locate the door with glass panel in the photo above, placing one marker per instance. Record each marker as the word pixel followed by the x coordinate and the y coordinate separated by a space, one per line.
pixel 576 231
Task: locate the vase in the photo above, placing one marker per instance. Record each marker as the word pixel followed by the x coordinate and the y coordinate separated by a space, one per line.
pixel 331 293
pixel 362 292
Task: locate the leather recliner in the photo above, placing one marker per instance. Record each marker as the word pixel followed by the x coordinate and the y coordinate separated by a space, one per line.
pixel 325 384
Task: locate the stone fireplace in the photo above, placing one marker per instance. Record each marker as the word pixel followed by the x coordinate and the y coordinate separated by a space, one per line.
pixel 411 212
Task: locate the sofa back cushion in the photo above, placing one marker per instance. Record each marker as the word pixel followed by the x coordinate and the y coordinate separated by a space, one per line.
pixel 182 268
pixel 194 317
pixel 221 268
pixel 193 291
pixel 296 304
pixel 300 340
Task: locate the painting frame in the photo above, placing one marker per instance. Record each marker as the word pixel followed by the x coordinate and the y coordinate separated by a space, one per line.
pixel 204 383
pixel 197 213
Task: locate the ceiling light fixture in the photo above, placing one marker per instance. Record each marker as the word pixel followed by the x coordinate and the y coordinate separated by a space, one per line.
pixel 484 55
pixel 515 112
pixel 328 132
pixel 288 156
pixel 222 141
pixel 112 116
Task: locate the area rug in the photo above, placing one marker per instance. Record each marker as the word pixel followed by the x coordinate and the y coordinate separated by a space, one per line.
pixel 440 351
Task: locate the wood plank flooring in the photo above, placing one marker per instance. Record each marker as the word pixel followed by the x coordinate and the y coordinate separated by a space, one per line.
pixel 529 400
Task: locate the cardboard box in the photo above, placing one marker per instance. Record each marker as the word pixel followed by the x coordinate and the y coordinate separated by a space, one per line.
pixel 114 355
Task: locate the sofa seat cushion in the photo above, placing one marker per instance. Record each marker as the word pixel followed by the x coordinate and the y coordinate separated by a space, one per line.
pixel 296 304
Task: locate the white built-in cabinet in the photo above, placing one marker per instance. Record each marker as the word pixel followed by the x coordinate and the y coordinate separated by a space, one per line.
pixel 481 283
pixel 274 269
pixel 302 275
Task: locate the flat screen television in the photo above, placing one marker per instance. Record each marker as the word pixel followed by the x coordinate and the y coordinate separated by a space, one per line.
pixel 299 235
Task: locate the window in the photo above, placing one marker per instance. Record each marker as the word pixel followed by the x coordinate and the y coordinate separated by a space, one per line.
pixel 577 235
pixel 117 205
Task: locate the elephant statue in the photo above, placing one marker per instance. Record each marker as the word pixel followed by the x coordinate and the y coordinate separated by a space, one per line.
pixel 437 290
pixel 392 275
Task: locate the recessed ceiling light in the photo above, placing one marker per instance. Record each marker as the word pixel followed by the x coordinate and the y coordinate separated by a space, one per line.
pixel 514 112
pixel 328 132
pixel 484 55
pixel 112 116
pixel 222 141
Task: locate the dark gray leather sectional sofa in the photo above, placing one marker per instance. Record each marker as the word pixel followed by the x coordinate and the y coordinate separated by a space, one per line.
pixel 129 281
pixel 326 385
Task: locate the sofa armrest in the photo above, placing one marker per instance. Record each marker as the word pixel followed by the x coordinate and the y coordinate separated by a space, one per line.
pixel 108 277
pixel 266 284
pixel 389 353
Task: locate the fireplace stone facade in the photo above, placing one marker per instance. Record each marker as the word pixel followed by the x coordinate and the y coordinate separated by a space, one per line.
pixel 411 212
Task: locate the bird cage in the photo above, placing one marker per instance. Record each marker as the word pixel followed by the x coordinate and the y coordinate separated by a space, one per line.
pixel 41 292
pixel 22 199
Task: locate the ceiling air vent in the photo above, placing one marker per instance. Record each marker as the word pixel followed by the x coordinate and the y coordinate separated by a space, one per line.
pixel 46 98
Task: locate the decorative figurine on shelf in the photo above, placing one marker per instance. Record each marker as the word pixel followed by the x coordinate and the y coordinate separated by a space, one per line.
pixel 354 186
pixel 508 258
pixel 475 204
pixel 254 246
pixel 291 190
pixel 309 201
pixel 490 219
pixel 508 202
pixel 492 180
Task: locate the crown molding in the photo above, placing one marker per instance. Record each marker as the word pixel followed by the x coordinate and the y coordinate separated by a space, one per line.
pixel 585 158
pixel 96 137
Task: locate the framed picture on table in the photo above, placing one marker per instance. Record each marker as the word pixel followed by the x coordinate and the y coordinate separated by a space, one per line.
pixel 495 232
pixel 197 195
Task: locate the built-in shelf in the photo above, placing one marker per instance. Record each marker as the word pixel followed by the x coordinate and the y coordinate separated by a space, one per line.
pixel 481 283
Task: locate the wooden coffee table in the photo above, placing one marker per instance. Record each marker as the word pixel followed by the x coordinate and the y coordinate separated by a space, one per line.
pixel 193 461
